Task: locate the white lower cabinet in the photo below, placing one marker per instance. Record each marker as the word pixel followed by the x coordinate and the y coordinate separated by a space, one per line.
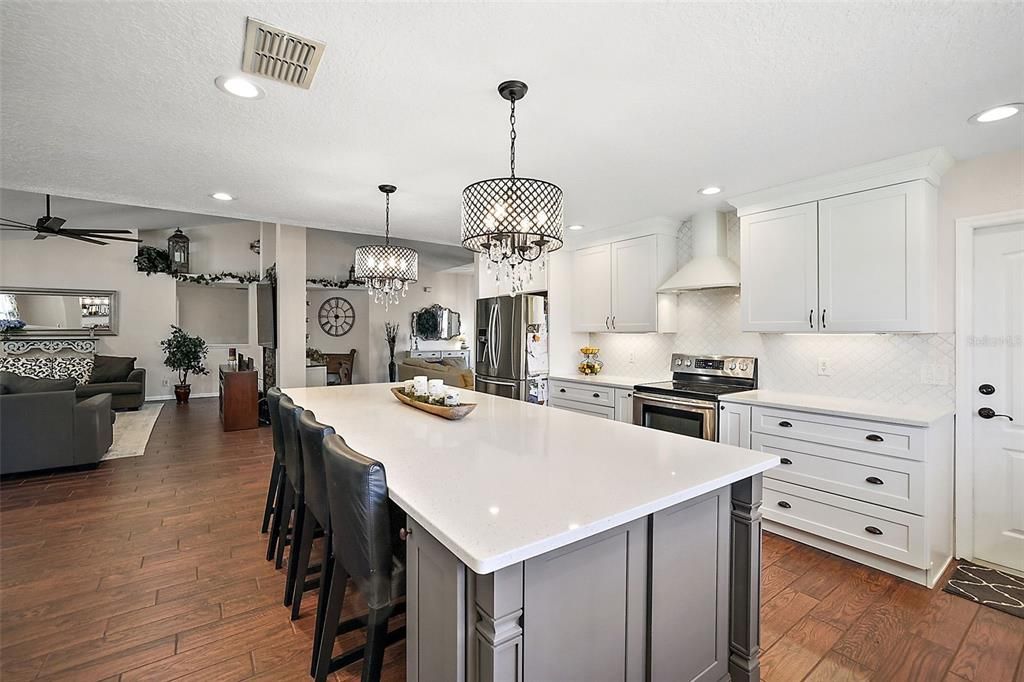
pixel 586 398
pixel 878 493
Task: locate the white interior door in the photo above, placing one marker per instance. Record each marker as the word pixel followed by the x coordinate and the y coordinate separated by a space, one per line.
pixel 635 284
pixel 779 270
pixel 997 359
pixel 592 289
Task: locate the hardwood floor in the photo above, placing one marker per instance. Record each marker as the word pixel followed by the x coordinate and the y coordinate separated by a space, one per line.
pixel 152 569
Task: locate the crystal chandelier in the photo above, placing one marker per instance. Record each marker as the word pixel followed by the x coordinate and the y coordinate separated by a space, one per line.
pixel 385 268
pixel 512 221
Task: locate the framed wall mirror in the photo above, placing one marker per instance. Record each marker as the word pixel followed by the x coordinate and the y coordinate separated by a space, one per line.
pixel 436 323
pixel 60 312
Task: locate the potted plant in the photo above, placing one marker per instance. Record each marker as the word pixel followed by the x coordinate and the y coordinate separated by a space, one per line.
pixel 184 353
pixel 391 336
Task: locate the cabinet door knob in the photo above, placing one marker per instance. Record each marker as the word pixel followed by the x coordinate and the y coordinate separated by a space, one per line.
pixel 873 530
pixel 786 460
pixel 785 424
pixel 874 480
pixel 784 504
pixel 874 438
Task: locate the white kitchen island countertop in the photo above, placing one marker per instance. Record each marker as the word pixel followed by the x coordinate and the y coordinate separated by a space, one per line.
pixel 892 413
pixel 514 480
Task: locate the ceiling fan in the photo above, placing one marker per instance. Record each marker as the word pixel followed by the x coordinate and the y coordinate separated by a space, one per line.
pixel 52 226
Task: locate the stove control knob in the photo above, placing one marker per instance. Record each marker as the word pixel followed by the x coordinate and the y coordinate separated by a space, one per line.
pixel 732 366
pixel 743 366
pixel 679 362
pixel 689 363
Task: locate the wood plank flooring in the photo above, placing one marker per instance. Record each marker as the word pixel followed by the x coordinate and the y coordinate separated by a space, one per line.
pixel 152 569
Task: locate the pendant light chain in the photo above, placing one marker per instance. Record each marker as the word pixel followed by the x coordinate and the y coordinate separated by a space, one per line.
pixel 387 219
pixel 512 136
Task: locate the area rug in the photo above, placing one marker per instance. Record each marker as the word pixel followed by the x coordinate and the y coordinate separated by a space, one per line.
pixel 987 586
pixel 132 430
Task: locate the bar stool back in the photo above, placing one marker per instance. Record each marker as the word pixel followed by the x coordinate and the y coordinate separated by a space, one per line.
pixel 294 497
pixel 275 490
pixel 363 525
pixel 311 438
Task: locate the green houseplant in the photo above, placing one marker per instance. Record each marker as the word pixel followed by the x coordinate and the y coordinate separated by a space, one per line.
pixel 184 353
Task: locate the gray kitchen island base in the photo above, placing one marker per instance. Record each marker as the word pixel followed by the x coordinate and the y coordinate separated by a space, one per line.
pixel 673 595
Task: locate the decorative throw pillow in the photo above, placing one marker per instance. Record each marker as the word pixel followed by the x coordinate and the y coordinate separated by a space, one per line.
pixel 73 367
pixel 109 369
pixel 37 368
pixel 15 383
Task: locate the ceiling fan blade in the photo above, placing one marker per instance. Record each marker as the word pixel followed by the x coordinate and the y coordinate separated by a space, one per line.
pixel 101 236
pixel 82 239
pixel 17 222
pixel 54 223
pixel 41 235
pixel 83 230
pixel 12 228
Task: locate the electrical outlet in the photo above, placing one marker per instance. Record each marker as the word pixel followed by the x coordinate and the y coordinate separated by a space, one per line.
pixel 632 357
pixel 824 367
pixel 166 382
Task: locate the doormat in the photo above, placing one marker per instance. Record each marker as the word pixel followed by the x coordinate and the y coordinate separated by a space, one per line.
pixel 989 587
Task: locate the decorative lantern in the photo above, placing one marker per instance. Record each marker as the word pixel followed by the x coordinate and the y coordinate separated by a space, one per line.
pixel 177 251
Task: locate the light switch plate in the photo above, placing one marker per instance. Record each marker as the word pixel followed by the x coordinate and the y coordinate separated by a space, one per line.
pixel 824 367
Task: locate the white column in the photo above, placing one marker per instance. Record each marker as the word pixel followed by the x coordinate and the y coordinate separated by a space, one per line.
pixel 290 247
pixel 268 242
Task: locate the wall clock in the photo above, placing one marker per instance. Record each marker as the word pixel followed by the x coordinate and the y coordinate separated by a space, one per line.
pixel 336 316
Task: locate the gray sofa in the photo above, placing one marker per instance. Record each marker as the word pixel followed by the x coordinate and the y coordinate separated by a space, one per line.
pixel 125 395
pixel 49 429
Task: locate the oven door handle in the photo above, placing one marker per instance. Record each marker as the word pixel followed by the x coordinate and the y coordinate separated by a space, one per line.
pixel 680 402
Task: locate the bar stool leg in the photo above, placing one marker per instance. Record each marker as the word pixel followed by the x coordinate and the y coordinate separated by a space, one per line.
pixel 287 505
pixel 302 566
pixel 332 616
pixel 321 600
pixel 293 554
pixel 376 641
pixel 275 527
pixel 268 508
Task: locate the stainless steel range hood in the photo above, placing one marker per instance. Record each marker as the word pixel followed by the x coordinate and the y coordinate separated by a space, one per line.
pixel 710 267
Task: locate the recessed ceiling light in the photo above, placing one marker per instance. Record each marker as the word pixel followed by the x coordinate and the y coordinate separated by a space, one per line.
pixel 222 196
pixel 999 113
pixel 709 190
pixel 575 227
pixel 239 87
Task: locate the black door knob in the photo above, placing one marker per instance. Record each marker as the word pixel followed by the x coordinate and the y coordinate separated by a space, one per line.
pixel 874 437
pixel 786 460
pixel 561 390
pixel 989 413
pixel 784 504
pixel 986 389
pixel 874 480
pixel 597 395
pixel 873 530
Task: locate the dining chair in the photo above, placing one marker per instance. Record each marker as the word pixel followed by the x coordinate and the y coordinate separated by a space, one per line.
pixel 366 550
pixel 339 367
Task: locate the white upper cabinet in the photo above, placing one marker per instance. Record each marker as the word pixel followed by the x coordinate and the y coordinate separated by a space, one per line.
pixel 850 252
pixel 874 251
pixel 779 269
pixel 592 289
pixel 615 286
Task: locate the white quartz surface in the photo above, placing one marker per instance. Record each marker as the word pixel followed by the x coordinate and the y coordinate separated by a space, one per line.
pixel 514 480
pixel 892 413
pixel 612 380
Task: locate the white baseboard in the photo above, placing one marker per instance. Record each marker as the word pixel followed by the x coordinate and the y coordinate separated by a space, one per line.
pixel 154 398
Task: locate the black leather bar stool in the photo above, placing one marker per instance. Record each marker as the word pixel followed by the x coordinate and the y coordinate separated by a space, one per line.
pixel 293 483
pixel 275 491
pixel 364 526
pixel 317 514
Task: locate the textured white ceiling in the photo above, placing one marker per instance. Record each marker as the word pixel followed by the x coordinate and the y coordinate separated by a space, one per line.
pixel 631 108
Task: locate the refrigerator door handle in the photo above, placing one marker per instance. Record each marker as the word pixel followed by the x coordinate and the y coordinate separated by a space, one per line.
pixel 491 333
pixel 497 334
pixel 498 382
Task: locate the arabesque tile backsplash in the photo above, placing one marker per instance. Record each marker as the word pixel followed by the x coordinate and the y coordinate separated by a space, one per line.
pixel 885 367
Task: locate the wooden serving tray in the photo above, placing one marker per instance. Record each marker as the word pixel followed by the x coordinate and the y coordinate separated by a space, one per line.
pixel 452 413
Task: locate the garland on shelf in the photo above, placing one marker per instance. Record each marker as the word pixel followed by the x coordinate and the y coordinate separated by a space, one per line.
pixel 154 260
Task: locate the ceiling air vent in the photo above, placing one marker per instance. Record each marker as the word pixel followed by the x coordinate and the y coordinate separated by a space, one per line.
pixel 280 55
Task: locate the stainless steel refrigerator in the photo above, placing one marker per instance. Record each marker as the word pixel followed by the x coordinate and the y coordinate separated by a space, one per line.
pixel 512 347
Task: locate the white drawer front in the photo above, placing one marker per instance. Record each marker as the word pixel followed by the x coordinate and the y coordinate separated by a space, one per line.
pixel 888 481
pixel 426 354
pixel 885 532
pixel 583 408
pixel 885 439
pixel 595 395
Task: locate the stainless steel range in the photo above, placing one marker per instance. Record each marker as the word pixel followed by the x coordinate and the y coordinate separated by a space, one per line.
pixel 688 405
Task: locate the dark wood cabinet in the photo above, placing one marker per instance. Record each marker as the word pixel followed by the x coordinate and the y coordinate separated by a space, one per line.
pixel 239 399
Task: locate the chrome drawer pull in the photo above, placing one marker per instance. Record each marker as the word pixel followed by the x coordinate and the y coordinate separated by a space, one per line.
pixel 786 460
pixel 873 530
pixel 874 437
pixel 874 480
pixel 784 504
pixel 785 425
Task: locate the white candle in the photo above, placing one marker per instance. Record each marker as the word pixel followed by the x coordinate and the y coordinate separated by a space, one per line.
pixel 452 397
pixel 408 386
pixel 420 385
pixel 436 388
